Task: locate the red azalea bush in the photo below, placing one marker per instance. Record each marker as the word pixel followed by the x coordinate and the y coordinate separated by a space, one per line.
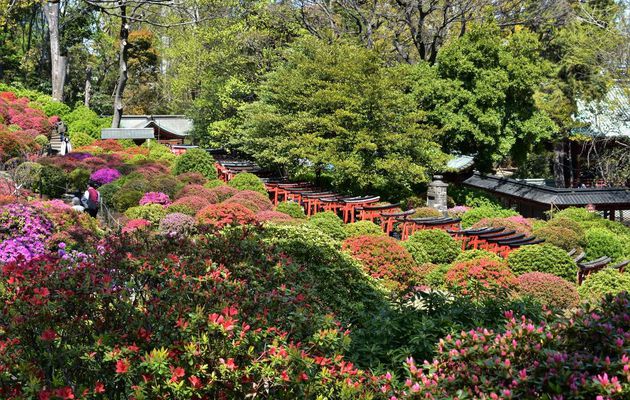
pixel 15 143
pixel 195 203
pixel 222 215
pixel 548 289
pixel 108 145
pixel 481 277
pixel 198 191
pixel 255 201
pixel 383 258
pixel 169 318
pixel 14 111
pixel 224 192
pixel 135 224
pixel 584 356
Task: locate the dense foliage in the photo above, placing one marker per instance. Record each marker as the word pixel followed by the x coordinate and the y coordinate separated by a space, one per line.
pixel 550 290
pixel 195 160
pixel 437 244
pixel 543 258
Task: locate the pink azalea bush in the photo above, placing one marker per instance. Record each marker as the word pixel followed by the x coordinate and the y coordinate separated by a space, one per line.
pixel 155 198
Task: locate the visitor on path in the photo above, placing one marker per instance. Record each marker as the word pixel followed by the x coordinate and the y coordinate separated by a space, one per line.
pixel 92 201
pixel 76 205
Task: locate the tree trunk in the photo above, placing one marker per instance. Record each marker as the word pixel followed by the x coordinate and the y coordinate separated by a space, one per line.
pixel 58 62
pixel 558 163
pixel 122 66
pixel 88 87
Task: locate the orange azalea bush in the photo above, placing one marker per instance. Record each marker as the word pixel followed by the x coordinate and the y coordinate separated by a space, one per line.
pixel 222 215
pixel 383 258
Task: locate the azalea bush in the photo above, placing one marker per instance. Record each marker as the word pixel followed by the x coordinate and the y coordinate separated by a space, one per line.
pixel 361 228
pixel 23 232
pixel 513 223
pixel 601 242
pixel 248 181
pixel 292 208
pixel 199 191
pixel 155 198
pixel 564 238
pixel 177 224
pixel 253 200
pixel 329 223
pixel 474 215
pixel 150 212
pixel 223 192
pixel 481 277
pixel 195 160
pixel 524 359
pixel 605 282
pixel 474 254
pixel 273 216
pixel 188 204
pixel 550 290
pixel 383 258
pixel 222 215
pixel 104 176
pixel 437 244
pixel 543 258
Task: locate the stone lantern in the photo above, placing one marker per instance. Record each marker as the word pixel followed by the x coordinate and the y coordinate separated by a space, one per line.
pixel 437 194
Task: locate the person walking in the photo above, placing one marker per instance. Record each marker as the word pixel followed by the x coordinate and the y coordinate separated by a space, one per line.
pixel 92 201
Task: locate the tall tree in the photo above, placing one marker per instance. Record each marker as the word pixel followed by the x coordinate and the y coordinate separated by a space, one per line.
pixel 58 61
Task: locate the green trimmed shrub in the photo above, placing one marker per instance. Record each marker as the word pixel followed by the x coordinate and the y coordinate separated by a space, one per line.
pixel 564 238
pixel 125 199
pixel 212 183
pixel 79 179
pixel 601 242
pixel 160 152
pixel 247 181
pixel 42 140
pixel 474 215
pixel 361 228
pixel 606 281
pixel 109 191
pixel 436 276
pixel 166 184
pixel 476 254
pixel 437 244
pixel 417 251
pixel 566 223
pixel 53 181
pixel 151 212
pixel 549 290
pixel 481 278
pixel 291 208
pixel 577 214
pixel 80 139
pixel 54 107
pixel 181 208
pixel 329 223
pixel 195 160
pixel 543 258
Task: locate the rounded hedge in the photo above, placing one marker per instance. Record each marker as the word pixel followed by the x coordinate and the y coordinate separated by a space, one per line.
pixel 549 290
pixel 193 203
pixel 329 223
pixel 481 277
pixel 577 214
pixel 426 212
pixel 122 200
pixel 602 242
pixel 166 184
pixel 253 200
pixel 28 174
pixel 474 254
pixel 437 244
pixel 195 160
pixel 222 215
pixel 53 181
pixel 564 238
pixel 177 224
pixel 198 191
pixel 515 223
pixel 223 192
pixel 607 281
pixel 361 228
pixel 214 183
pixel 192 178
pixel 417 251
pixel 383 258
pixel 543 258
pixel 566 223
pixel 291 208
pixel 247 181
pixel 273 216
pixel 151 212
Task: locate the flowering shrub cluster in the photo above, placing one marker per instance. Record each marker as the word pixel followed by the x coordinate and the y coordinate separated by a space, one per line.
pixel 104 176
pixel 481 277
pixel 548 289
pixel 605 282
pixel 515 223
pixel 248 181
pixel 383 258
pixel 361 228
pixel 222 215
pixel 273 216
pixel 155 198
pixel 439 246
pixel 255 201
pixel 583 357
pixel 23 231
pixel 177 224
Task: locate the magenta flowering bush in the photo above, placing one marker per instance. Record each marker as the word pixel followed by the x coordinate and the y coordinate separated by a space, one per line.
pixel 155 198
pixel 104 176
pixel 23 232
pixel 584 356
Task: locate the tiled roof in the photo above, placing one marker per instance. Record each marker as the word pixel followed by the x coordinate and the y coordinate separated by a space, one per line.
pixel 178 125
pixel 548 195
pixel 609 117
